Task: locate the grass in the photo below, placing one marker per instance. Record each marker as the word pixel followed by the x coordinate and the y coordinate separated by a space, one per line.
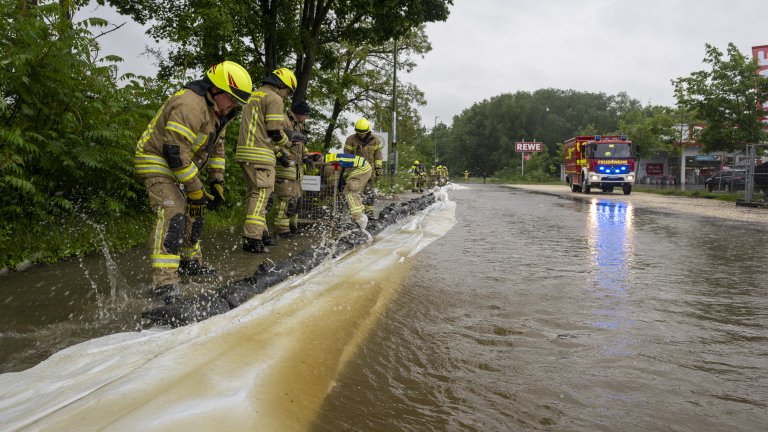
pixel 53 239
pixel 721 196
pixel 48 241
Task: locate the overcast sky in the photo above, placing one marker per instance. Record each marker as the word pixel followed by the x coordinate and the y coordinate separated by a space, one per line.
pixel 490 47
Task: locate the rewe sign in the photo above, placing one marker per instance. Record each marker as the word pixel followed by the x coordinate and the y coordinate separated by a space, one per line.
pixel 522 146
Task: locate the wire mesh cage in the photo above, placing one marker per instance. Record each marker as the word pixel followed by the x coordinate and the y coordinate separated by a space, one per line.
pixel 324 205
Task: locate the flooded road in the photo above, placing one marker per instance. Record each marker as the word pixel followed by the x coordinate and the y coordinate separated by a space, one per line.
pixel 532 312
pixel 540 312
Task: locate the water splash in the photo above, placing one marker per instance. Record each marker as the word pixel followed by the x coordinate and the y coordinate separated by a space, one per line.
pixel 119 287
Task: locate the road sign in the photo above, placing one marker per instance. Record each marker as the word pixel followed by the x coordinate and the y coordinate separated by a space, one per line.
pixel 525 146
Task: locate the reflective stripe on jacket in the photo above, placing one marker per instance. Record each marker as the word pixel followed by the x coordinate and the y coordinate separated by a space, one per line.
pixel 264 112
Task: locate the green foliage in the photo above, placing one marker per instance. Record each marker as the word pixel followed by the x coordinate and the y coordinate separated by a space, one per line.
pixel 728 98
pixel 68 130
pixel 482 138
pixel 651 129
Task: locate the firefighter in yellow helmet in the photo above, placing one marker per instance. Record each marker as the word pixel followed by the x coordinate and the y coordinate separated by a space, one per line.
pixel 417 171
pixel 260 145
pixel 184 137
pixel 364 143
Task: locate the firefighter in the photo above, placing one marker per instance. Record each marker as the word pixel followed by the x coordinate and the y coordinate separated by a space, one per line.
pixel 466 175
pixel 355 173
pixel 364 143
pixel 296 116
pixel 185 136
pixel 416 174
pixel 433 175
pixel 259 147
pixel 288 185
pixel 442 175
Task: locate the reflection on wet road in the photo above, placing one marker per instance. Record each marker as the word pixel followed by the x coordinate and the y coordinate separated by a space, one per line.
pixel 534 312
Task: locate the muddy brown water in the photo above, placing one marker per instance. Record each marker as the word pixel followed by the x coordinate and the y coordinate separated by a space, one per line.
pixel 534 312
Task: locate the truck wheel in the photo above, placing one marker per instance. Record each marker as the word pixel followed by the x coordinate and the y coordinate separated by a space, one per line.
pixel 627 188
pixel 584 187
pixel 575 187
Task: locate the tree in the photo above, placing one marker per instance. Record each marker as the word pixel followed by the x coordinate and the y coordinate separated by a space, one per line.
pixel 67 129
pixel 728 98
pixel 651 129
pixel 361 81
pixel 482 137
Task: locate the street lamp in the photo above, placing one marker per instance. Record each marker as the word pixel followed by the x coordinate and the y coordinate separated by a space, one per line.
pixel 434 138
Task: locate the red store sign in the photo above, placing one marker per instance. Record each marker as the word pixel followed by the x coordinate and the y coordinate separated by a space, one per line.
pixel 654 169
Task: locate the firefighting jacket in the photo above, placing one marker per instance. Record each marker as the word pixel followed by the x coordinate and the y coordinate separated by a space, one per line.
pixel 262 119
pixel 184 136
pixel 294 151
pixel 352 165
pixel 368 147
pixel 292 123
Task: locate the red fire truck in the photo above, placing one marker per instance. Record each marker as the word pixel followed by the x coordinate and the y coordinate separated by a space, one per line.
pixel 600 162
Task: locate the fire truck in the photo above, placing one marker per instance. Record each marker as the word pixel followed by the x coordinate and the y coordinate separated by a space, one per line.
pixel 599 162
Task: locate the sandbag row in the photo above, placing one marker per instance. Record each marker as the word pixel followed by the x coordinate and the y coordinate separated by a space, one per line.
pixel 232 295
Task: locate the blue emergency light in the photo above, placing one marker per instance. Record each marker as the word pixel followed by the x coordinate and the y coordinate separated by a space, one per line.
pixel 613 169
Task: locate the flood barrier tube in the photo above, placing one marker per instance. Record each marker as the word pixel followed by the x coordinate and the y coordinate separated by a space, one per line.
pixel 220 300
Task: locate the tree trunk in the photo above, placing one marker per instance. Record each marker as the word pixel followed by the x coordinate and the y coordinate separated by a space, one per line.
pixel 332 126
pixel 269 12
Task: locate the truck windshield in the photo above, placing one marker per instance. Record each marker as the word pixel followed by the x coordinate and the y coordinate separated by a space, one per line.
pixel 613 151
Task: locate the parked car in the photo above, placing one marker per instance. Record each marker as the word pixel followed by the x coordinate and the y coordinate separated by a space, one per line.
pixel 726 180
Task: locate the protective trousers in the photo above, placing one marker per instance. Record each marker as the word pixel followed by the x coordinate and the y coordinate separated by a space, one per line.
pixel 356 181
pixel 288 193
pixel 260 182
pixel 369 196
pixel 175 235
pixel 415 183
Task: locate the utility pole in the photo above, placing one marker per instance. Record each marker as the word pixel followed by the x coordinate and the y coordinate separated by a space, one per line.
pixel 434 137
pixel 394 161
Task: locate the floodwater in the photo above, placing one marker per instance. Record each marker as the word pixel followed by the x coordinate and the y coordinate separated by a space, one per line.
pixel 532 312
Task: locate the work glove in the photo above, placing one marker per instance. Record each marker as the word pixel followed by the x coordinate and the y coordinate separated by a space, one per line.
pixel 196 201
pixel 378 171
pixel 309 163
pixel 284 161
pixel 216 197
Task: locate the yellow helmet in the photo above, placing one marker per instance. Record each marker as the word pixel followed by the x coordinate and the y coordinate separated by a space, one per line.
pixel 362 126
pixel 231 78
pixel 415 162
pixel 287 77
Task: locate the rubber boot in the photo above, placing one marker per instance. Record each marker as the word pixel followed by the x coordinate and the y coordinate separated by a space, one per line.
pixel 254 245
pixel 286 235
pixel 267 239
pixel 169 294
pixel 195 268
